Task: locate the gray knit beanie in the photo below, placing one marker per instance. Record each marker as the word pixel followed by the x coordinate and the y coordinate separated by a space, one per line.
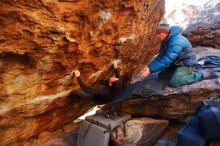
pixel 164 25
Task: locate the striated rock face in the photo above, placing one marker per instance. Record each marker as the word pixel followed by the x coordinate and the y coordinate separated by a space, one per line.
pixel 21 130
pixel 42 41
pixel 66 136
pixel 205 29
pixel 139 132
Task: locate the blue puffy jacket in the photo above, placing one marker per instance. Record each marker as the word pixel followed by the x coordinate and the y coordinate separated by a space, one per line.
pixel 174 47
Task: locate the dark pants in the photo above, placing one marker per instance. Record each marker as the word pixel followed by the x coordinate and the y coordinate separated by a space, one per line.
pixel 124 94
pixel 79 94
pixel 130 90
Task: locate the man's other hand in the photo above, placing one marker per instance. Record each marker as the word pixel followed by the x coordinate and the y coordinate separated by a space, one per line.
pixel 77 73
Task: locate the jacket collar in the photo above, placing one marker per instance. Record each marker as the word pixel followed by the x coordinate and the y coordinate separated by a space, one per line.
pixel 174 31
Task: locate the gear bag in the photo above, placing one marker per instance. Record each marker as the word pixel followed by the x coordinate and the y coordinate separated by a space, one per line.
pixel 209 123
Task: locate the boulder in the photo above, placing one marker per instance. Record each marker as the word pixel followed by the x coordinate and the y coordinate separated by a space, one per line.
pixel 175 104
pixel 139 132
pixel 51 120
pixel 67 136
pixel 205 29
pixel 183 14
pixel 42 41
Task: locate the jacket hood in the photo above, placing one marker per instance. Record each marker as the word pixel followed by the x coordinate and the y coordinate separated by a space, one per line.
pixel 174 30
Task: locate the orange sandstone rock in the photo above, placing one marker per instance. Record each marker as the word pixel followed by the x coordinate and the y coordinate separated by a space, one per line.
pixel 42 41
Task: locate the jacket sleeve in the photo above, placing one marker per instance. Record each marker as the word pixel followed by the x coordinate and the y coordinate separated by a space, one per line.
pixel 88 89
pixel 160 55
pixel 172 52
pixel 117 73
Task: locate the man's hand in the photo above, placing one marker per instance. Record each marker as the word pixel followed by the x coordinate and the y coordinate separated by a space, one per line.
pixel 145 72
pixel 77 73
pixel 142 72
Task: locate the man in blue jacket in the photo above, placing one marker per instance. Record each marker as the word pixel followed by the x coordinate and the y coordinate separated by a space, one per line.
pixel 176 59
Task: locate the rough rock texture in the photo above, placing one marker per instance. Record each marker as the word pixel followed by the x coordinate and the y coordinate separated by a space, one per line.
pixel 171 132
pixel 139 132
pixel 67 136
pixel 182 15
pixel 41 41
pixel 205 29
pixel 32 126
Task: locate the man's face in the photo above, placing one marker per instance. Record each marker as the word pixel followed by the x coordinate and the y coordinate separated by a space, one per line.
pixel 162 34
